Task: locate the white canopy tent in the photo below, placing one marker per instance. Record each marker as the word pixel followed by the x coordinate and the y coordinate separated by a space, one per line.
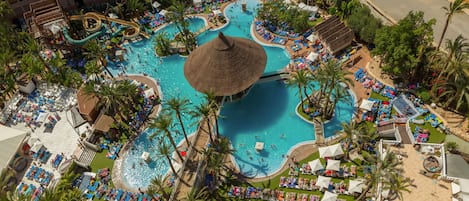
pixel 331 151
pixel 163 12
pixel 216 12
pixel 313 56
pixel 355 186
pixel 366 105
pixel 323 181
pixel 315 165
pixel 333 165
pixel 312 38
pixel 36 146
pixel 149 92
pixel 312 9
pixel 328 196
pixel 10 140
pixel 156 4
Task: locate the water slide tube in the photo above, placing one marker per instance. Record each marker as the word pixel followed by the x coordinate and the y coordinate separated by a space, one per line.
pixel 133 29
pixel 84 40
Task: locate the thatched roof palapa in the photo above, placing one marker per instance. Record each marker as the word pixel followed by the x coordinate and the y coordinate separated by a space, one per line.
pixel 225 66
pixel 334 34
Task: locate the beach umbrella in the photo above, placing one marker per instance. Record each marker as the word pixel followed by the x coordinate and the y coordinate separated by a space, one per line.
pixel 225 66
pixel 336 150
pixel 333 165
pixel 328 196
pixel 323 181
pixel 315 165
pixel 355 186
pixel 324 152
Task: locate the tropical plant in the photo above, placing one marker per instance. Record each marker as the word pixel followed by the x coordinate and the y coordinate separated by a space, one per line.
pixel 179 106
pixel 345 8
pixel 157 186
pixel 405 47
pixel 134 7
pixel 456 94
pixel 215 109
pixel 197 194
pixel 177 16
pixel 452 146
pixel 162 44
pixel 302 80
pixel 165 151
pixel 454 7
pixel 93 69
pixel 204 111
pixel 364 24
pixel 454 49
pixel 163 124
pixel 397 184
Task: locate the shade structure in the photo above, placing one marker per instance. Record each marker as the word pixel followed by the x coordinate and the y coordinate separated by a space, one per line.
pixel 313 56
pixel 328 196
pixel 315 165
pixel 10 140
pixel 225 66
pixel 323 181
pixel 331 151
pixel 333 165
pixel 367 105
pixel 355 186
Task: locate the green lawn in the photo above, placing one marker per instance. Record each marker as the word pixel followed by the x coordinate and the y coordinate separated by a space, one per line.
pixel 100 161
pixel 436 136
pixel 378 96
pixel 274 181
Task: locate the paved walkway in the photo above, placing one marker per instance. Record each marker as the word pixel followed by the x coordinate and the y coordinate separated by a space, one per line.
pixel 463 145
pixel 398 9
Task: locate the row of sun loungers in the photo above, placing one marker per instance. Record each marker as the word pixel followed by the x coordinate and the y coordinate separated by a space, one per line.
pixel 114 151
pixel 39 175
pixel 270 195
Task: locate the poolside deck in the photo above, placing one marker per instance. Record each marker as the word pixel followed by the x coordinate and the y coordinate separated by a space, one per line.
pixel 424 187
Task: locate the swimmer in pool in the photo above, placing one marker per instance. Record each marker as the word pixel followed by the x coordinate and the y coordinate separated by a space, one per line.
pixel 282 136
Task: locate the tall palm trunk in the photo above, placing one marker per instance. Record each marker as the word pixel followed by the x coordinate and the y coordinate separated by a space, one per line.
pixel 209 127
pixel 444 32
pixel 300 93
pixel 171 164
pixel 171 140
pixel 178 115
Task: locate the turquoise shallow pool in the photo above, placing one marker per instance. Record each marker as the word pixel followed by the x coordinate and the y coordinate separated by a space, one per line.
pixel 265 115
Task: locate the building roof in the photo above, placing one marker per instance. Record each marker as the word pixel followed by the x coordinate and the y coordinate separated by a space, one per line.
pixel 103 123
pixel 456 166
pixel 334 34
pixel 86 103
pixel 225 65
pixel 10 140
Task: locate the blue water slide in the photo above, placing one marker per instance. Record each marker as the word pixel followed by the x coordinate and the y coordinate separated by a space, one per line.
pixel 84 40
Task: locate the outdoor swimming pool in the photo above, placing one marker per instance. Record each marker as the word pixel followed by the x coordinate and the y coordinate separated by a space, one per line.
pixel 264 115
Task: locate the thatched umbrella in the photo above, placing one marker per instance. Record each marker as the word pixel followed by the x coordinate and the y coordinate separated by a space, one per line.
pixel 225 66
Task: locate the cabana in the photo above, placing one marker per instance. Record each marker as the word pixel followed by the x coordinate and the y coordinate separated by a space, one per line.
pixel 331 151
pixel 328 196
pixel 323 181
pixel 226 66
pixel 312 9
pixel 217 12
pixel 315 165
pixel 334 34
pixel 156 4
pixel 333 165
pixel 163 13
pixel 313 56
pixel 10 141
pixel 197 3
pixel 355 186
pixel 367 105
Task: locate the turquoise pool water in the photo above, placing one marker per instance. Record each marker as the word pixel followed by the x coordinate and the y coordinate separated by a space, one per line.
pixel 265 115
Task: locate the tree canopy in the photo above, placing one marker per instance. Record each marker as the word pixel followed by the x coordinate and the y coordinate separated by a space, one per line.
pixel 404 47
pixel 364 24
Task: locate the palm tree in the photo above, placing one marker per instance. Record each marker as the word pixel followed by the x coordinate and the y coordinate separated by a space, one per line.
pixel 204 112
pixel 351 130
pixel 453 48
pixel 95 51
pixel 164 150
pixel 134 7
pixel 93 69
pixel 109 100
pixel 197 194
pixel 177 15
pixel 385 166
pixel 458 68
pixel 454 7
pixel 163 124
pixel 456 93
pixel 215 108
pixel 179 106
pixel 157 186
pixel 162 44
pixel 397 184
pixel 302 80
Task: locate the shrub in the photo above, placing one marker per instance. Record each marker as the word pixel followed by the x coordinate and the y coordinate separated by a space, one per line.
pixel 425 96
